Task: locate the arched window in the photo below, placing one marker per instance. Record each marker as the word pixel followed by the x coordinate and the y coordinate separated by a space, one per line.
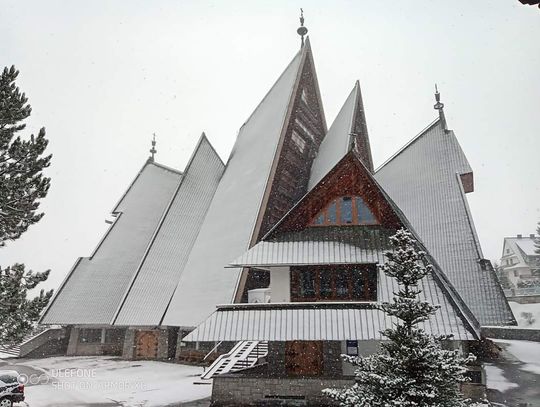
pixel 347 210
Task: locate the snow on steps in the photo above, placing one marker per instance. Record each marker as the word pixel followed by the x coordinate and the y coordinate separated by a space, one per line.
pixel 243 355
pixel 14 350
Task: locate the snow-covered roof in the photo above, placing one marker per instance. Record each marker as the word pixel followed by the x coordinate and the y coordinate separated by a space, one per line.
pixel 423 179
pixel 153 285
pixel 93 289
pixel 527 245
pixel 230 221
pixel 520 247
pixel 319 245
pixel 337 141
pixel 326 321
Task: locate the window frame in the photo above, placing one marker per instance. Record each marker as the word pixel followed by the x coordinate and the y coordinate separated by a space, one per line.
pixel 338 202
pixel 370 277
pixel 84 335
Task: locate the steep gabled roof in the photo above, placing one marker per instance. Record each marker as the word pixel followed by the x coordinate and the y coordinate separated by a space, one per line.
pixel 357 244
pixel 152 286
pixel 350 122
pixel 235 213
pixel 423 179
pixel 92 291
pixel 520 247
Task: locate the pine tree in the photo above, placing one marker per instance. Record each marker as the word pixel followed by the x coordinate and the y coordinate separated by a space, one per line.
pixel 412 368
pixel 18 314
pixel 22 185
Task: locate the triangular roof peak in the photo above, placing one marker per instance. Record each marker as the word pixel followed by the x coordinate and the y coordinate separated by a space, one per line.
pixel 348 177
pixel 348 131
pixel 256 159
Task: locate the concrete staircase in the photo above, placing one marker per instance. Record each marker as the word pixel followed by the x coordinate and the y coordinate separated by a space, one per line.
pixel 243 355
pixel 29 342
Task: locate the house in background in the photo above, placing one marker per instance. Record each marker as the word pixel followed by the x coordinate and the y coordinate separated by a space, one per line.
pixel 160 270
pixel 519 264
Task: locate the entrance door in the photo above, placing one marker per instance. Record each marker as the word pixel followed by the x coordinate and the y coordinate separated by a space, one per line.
pixel 146 344
pixel 304 358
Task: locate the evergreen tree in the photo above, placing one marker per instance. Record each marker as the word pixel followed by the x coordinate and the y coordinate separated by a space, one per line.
pixel 18 314
pixel 22 185
pixel 412 368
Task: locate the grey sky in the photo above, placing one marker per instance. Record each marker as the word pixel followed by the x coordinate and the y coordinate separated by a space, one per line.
pixel 103 76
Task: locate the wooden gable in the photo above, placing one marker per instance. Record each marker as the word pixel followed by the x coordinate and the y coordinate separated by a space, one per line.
pixel 303 131
pixel 349 178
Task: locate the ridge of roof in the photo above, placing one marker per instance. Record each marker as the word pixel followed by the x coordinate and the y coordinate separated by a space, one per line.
pixel 146 163
pixel 297 55
pixel 166 167
pixel 202 139
pixel 306 59
pixel 413 140
pixel 251 159
pixel 325 154
pixel 60 288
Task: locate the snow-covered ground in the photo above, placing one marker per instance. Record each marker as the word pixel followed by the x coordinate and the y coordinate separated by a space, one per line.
pixel 526 313
pixel 496 379
pixel 526 352
pixel 513 379
pixel 78 381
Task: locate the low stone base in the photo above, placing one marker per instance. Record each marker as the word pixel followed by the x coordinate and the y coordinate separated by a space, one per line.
pixel 234 390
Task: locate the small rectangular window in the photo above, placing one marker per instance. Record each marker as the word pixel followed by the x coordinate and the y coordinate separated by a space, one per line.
pixel 319 220
pixel 304 96
pixel 307 284
pixel 298 141
pixel 114 335
pixel 332 213
pixel 364 214
pixel 90 335
pixel 342 283
pixel 346 210
pixel 326 284
pixel 359 284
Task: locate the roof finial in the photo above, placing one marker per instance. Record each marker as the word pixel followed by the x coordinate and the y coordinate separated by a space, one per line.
pixel 153 150
pixel 302 30
pixel 440 107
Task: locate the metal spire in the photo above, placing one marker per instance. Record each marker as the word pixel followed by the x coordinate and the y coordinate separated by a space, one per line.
pixel 302 31
pixel 440 107
pixel 153 150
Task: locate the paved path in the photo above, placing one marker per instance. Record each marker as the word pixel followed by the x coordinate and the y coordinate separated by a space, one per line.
pixel 528 392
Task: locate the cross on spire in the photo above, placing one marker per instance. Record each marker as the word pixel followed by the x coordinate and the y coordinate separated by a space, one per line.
pixel 440 107
pixel 302 31
pixel 153 150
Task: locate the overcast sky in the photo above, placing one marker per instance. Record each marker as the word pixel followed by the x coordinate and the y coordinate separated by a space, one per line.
pixel 102 76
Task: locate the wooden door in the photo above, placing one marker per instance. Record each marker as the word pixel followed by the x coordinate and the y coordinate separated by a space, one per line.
pixel 304 358
pixel 146 344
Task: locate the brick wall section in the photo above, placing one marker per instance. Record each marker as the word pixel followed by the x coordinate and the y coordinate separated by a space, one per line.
pixel 242 391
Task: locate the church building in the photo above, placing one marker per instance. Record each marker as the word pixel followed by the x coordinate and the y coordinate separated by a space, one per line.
pixel 286 282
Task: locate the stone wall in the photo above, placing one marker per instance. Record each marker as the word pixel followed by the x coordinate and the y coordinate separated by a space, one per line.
pixel 77 348
pixel 500 332
pixel 51 342
pixel 243 391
